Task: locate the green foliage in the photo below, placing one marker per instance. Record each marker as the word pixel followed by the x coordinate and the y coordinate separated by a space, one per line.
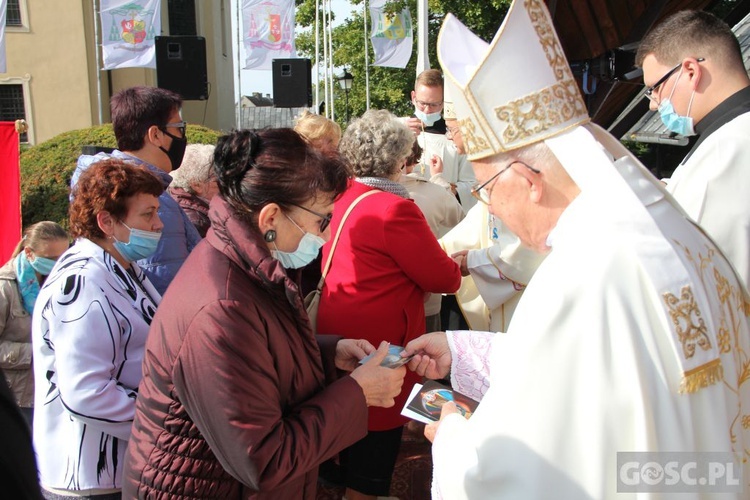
pixel 46 169
pixel 390 88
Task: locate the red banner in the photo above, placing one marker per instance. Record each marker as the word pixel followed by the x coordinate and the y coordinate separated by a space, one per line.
pixel 10 191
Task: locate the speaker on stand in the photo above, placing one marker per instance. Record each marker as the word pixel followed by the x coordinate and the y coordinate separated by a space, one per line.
pixel 292 83
pixel 181 66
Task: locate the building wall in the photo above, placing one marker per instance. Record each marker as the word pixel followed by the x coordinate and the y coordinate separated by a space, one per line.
pixel 51 57
pixel 56 61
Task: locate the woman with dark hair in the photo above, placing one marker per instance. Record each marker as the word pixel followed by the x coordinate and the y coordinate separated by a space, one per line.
pixel 239 398
pixel 89 328
pixel 20 280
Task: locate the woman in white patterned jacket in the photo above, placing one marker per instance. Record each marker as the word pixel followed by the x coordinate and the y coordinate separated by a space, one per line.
pixel 89 329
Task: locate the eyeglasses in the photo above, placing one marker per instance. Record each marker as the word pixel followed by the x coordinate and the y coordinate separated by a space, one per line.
pixel 451 131
pixel 325 220
pixel 423 105
pixel 484 195
pixel 181 126
pixel 649 94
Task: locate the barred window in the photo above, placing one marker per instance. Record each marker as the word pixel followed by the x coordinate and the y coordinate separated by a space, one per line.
pixel 13 13
pixel 11 105
pixel 182 17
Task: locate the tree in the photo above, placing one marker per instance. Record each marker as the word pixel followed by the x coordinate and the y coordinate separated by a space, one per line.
pixel 390 88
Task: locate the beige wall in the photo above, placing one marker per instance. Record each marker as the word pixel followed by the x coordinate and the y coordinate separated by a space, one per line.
pixel 56 62
pixel 53 55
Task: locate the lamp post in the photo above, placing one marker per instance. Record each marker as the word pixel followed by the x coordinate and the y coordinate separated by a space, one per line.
pixel 345 81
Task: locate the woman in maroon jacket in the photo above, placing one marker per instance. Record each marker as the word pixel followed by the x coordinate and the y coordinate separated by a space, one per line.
pixel 239 399
pixel 385 264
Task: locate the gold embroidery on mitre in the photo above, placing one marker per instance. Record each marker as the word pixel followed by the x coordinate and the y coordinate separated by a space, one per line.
pixel 552 106
pixel 540 111
pixel 548 39
pixel 687 320
pixel 472 142
pixel 698 378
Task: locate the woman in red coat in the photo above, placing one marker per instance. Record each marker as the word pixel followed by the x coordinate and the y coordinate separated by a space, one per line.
pixel 385 263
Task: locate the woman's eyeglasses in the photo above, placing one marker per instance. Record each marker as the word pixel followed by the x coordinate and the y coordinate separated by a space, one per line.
pixel 480 193
pixel 325 220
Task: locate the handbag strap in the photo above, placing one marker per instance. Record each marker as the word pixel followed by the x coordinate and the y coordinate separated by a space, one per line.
pixel 338 233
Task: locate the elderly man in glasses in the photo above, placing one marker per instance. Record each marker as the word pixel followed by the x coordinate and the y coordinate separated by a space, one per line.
pixel 631 341
pixel 441 162
pixel 697 81
pixel 150 132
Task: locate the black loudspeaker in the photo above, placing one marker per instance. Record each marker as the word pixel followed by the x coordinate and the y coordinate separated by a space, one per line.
pixel 181 66
pixel 292 83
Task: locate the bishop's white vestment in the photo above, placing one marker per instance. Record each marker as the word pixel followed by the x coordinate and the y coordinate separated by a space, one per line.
pixel 632 335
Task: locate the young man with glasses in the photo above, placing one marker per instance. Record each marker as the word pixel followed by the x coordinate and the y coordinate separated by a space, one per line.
pixel 150 131
pixel 441 162
pixel 693 67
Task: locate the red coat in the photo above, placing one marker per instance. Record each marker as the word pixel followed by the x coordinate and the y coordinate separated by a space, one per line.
pixel 385 261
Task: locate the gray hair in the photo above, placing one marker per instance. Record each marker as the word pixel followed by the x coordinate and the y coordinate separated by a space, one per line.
pixel 376 144
pixel 195 167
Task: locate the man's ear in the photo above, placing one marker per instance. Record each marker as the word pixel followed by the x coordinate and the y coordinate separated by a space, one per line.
pixel 106 223
pixel 534 180
pixel 694 72
pixel 413 95
pixel 268 218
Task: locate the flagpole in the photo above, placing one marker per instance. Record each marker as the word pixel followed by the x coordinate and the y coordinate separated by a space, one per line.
pixel 325 62
pixel 98 67
pixel 239 65
pixel 317 57
pixel 423 58
pixel 330 52
pixel 367 60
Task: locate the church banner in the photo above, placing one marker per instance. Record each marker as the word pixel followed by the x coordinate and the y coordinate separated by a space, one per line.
pixel 10 191
pixel 3 13
pixel 129 29
pixel 391 36
pixel 268 32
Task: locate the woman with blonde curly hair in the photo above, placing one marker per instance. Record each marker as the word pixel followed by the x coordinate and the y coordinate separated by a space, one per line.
pixel 385 262
pixel 319 132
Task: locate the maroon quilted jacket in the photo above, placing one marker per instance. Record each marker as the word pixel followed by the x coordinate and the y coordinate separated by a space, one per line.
pixel 234 401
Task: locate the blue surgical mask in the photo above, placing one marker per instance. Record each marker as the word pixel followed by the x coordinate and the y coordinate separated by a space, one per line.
pixel 308 248
pixel 678 124
pixel 42 265
pixel 428 119
pixel 142 244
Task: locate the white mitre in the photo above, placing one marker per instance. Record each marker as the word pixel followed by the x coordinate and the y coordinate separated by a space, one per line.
pixel 514 92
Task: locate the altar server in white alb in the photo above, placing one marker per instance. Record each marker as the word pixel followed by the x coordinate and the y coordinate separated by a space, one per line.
pixel 697 80
pixel 632 335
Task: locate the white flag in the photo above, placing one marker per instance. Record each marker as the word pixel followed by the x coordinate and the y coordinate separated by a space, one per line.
pixel 3 11
pixel 391 37
pixel 268 32
pixel 129 28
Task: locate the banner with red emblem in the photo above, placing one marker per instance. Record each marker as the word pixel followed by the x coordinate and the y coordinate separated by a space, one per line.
pixel 129 29
pixel 268 32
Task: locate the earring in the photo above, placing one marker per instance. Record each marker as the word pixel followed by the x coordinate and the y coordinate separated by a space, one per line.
pixel 270 235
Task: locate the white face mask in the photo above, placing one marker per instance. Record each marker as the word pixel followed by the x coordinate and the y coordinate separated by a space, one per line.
pixel 308 248
pixel 428 119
